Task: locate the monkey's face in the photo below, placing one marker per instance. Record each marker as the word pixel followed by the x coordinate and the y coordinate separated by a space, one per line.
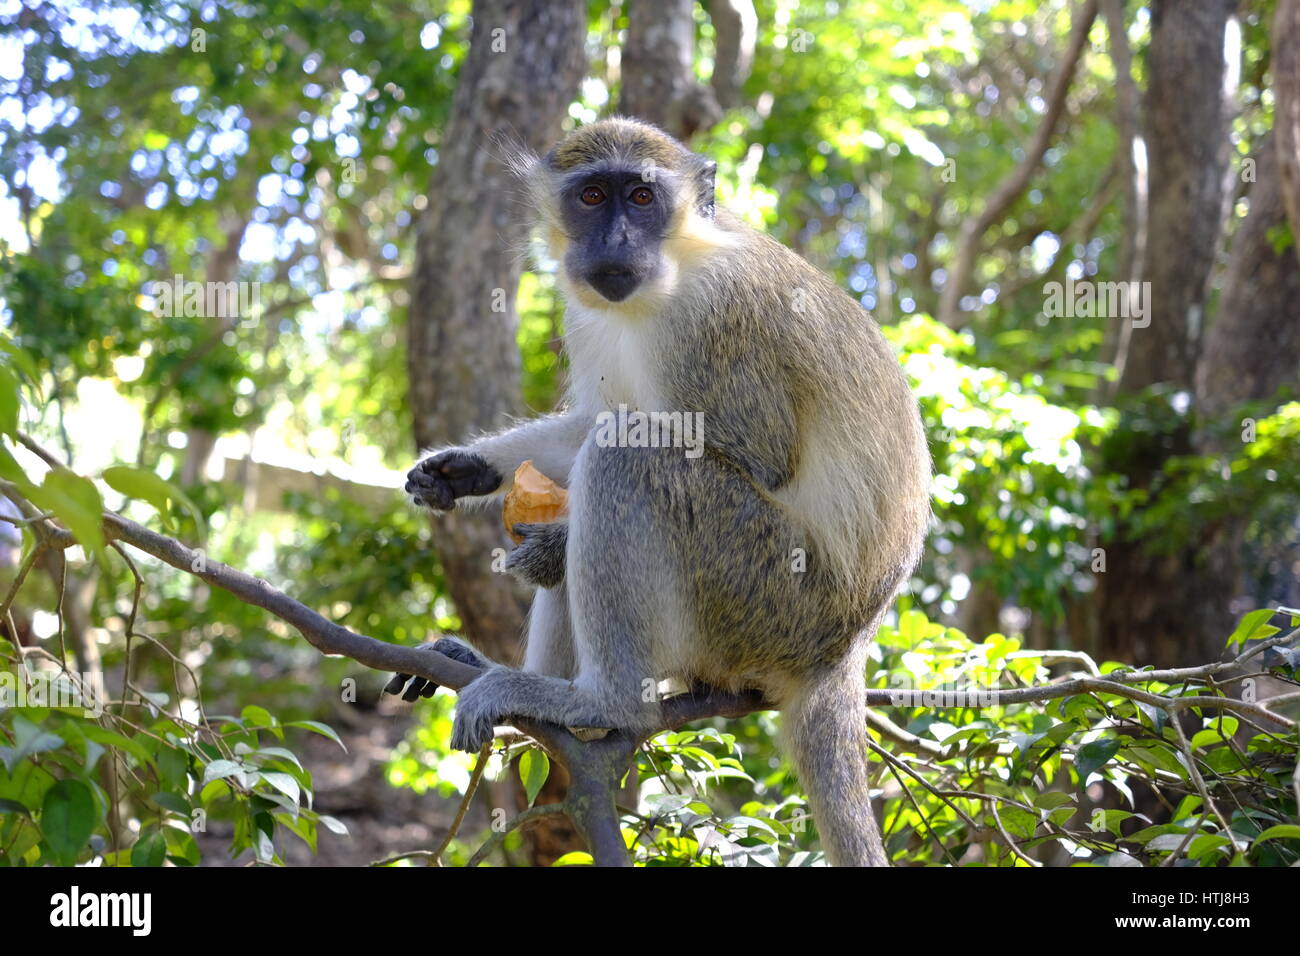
pixel 615 219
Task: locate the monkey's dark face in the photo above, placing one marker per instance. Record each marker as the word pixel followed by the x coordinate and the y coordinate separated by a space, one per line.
pixel 615 219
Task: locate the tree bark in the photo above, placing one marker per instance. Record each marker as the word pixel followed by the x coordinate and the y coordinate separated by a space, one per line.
pixel 1133 174
pixel 1286 110
pixel 1251 351
pixel 1253 348
pixel 1146 612
pixel 735 27
pixel 1188 115
pixel 523 69
pixel 658 70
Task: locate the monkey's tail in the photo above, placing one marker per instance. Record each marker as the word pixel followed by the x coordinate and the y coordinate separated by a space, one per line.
pixel 824 727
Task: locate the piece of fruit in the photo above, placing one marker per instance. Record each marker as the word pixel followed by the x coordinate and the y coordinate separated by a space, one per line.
pixel 534 499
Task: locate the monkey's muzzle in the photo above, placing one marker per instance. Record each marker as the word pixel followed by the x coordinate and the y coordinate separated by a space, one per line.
pixel 615 283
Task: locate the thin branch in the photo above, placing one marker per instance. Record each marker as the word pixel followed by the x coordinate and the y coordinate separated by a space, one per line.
pixel 1015 183
pixel 528 816
pixel 480 765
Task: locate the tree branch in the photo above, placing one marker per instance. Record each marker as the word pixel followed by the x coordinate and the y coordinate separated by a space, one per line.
pixel 972 231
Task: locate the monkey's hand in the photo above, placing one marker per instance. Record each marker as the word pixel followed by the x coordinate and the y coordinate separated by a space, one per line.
pixel 415 687
pixel 455 473
pixel 539 559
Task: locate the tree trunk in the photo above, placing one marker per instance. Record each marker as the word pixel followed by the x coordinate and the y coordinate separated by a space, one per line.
pixel 522 72
pixel 1188 114
pixel 659 82
pixel 1286 110
pixel 1252 350
pixel 1146 613
pixel 525 63
pixel 735 28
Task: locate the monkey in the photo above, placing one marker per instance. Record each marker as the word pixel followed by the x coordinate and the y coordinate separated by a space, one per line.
pixel 765 562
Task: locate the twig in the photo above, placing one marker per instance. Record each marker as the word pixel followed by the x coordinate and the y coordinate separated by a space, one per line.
pixel 1015 182
pixel 528 816
pixel 480 765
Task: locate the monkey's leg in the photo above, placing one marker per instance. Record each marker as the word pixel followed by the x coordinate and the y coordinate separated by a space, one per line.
pixel 626 611
pixel 549 649
pixel 687 568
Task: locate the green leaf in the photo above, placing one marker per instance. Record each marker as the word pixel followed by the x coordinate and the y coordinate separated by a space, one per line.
pixel 172 801
pixel 182 850
pixel 147 486
pixel 1118 858
pixel 576 858
pixel 8 402
pixel 1095 755
pixel 334 824
pixel 1052 799
pixel 173 764
pixel 76 502
pixel 282 782
pixel 150 849
pixel 1285 831
pixel 68 819
pixel 256 716
pixel 113 739
pixel 10 470
pixel 323 729
pixel 534 768
pixel 20 360
pixel 281 753
pixel 1251 623
pixel 219 769
pixel 37 743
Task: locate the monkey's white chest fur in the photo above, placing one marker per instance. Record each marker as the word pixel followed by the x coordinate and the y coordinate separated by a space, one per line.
pixel 612 360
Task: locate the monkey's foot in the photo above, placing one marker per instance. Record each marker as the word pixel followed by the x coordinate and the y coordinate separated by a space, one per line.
pixel 502 694
pixel 476 715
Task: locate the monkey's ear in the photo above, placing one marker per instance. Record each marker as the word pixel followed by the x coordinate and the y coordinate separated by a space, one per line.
pixel 705 187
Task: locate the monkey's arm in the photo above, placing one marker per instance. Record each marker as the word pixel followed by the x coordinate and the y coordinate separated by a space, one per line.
pixel 552 442
pixel 487 465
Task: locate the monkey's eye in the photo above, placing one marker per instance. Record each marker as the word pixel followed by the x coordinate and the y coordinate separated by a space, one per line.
pixel 593 195
pixel 642 196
